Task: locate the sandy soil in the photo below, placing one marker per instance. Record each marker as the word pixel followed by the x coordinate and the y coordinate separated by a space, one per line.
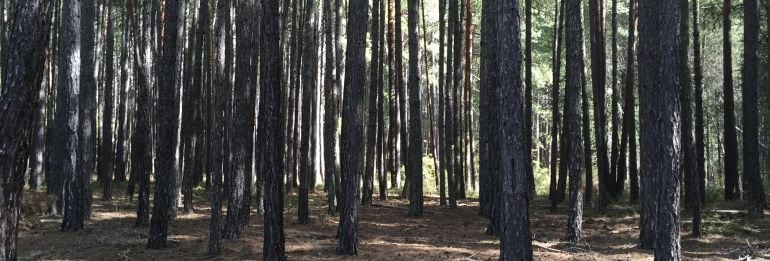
pixel 386 233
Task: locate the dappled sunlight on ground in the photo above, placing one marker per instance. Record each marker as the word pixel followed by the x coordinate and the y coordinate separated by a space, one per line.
pixel 386 233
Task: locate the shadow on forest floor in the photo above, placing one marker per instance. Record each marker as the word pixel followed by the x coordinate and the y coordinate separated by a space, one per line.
pixel 386 233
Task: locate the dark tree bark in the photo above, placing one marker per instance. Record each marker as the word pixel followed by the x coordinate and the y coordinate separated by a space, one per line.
pixel 575 64
pixel 22 76
pixel 755 192
pixel 217 103
pixel 106 156
pixel 371 123
pixel 458 181
pixel 270 134
pixel 353 126
pixel 660 70
pixel 620 178
pixel 393 132
pixel 414 164
pixel 141 152
pixel 555 112
pixel 331 110
pixel 587 163
pixel 528 93
pixel 489 150
pixel 628 137
pixel 67 117
pixel 192 111
pixel 732 189
pixel 166 162
pixel 309 65
pixel 242 129
pixel 700 144
pixel 689 153
pixel 52 179
pixel 87 103
pixel 443 165
pixel 515 239
pixel 401 91
pixel 449 87
pixel 598 73
pixel 123 118
pixel 382 176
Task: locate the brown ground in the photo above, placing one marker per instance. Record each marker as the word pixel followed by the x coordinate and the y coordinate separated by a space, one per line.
pixel 386 233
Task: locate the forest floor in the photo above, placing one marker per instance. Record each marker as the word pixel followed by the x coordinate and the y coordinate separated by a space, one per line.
pixel 386 233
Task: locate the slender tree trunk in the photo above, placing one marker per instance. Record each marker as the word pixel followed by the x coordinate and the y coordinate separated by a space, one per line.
pixel 22 73
pixel 732 188
pixel 489 150
pixel 620 178
pixel 598 73
pixel 217 102
pixel 470 162
pixel 443 148
pixel 123 117
pixel 515 239
pixel 331 116
pixel 555 112
pixel 628 137
pixel 699 118
pixel 575 68
pixel 414 164
pixel 755 192
pixel 309 65
pixel 528 112
pixel 449 119
pixel 141 148
pixel 689 153
pixel 270 131
pixel 353 126
pixel 382 177
pixel 371 124
pixel 106 156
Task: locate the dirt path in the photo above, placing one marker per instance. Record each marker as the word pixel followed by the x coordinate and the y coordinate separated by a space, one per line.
pixel 386 233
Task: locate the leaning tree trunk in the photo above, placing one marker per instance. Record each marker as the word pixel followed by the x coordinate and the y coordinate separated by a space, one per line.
pixel 660 70
pixel 353 126
pixel 166 163
pixel 22 75
pixel 515 239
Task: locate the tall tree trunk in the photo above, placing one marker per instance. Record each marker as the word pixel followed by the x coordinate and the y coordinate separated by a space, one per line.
pixel 528 111
pixel 353 126
pixel 620 178
pixel 123 119
pixel 555 112
pixel 449 119
pixel 628 137
pixel 660 70
pixel 699 117
pixel 689 153
pixel 400 89
pixel 141 148
pixel 166 160
pixel 443 148
pixel 382 177
pixel 331 115
pixel 470 160
pixel 21 76
pixel 414 164
pixel 489 150
pixel 515 239
pixel 87 103
pixel 371 124
pixel 575 68
pixel 598 73
pixel 309 66
pixel 217 102
pixel 755 192
pixel 106 156
pixel 270 132
pixel 393 100
pixel 732 188
pixel 67 117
